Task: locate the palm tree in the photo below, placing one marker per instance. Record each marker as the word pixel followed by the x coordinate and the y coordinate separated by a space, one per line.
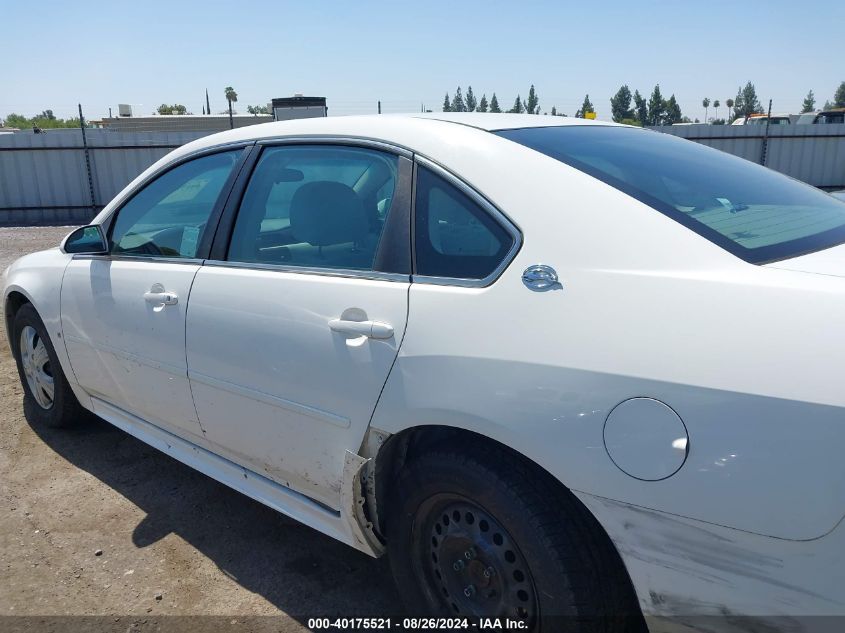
pixel 706 104
pixel 716 105
pixel 231 97
pixel 730 104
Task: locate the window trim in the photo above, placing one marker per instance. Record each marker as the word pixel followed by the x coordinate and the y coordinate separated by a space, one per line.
pixel 204 246
pixel 223 237
pixel 486 206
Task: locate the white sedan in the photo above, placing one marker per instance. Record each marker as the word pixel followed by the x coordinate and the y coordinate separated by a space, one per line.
pixel 554 368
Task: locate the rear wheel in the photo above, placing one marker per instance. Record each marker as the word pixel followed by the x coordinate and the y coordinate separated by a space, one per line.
pixel 485 534
pixel 47 395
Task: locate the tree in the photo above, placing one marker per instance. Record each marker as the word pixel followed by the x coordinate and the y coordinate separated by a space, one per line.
pixel 447 106
pixel 640 108
pixel 176 108
pixel 517 106
pixel 620 105
pixel 673 112
pixel 716 105
pixel 482 105
pixel 705 104
pixel 532 106
pixel 809 104
pixel 458 104
pixel 839 96
pixel 746 102
pixel 554 111
pixel 231 97
pixel 45 121
pixel 586 107
pixel 656 107
pixel 494 104
pixel 739 105
pixel 471 102
pixel 730 104
pixel 258 109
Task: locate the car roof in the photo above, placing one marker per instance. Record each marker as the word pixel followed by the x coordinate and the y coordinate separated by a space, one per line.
pixel 408 130
pixel 504 121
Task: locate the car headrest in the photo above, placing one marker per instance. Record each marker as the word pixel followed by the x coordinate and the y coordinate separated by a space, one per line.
pixel 323 213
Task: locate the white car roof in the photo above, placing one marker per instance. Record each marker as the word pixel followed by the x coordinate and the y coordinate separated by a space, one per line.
pixel 504 121
pixel 415 131
pixel 388 127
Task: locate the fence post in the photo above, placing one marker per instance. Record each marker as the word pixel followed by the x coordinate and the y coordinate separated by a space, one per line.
pixel 765 147
pixel 87 161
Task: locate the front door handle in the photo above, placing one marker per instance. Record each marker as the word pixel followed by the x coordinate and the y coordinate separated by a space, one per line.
pixel 370 329
pixel 157 295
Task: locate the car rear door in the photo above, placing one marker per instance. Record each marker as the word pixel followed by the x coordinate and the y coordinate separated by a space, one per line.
pixel 123 314
pixel 295 322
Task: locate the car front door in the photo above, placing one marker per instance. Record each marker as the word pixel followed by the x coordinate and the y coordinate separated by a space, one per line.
pixel 292 332
pixel 123 314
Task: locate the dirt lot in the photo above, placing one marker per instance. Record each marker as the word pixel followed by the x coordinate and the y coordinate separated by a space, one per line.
pixel 170 540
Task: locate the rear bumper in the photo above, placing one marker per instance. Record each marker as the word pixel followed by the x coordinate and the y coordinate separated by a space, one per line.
pixel 691 575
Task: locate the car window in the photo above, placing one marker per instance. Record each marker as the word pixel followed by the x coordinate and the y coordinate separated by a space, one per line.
pixel 315 206
pixel 750 211
pixel 168 217
pixel 454 236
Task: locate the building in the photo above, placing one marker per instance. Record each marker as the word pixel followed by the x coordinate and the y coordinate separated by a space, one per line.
pixel 181 122
pixel 283 109
pixel 299 107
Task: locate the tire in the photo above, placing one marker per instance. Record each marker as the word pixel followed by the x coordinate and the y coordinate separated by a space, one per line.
pixel 37 361
pixel 484 533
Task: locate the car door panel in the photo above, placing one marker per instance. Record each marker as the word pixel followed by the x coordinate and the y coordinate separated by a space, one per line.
pixel 284 370
pixel 125 349
pixel 275 387
pixel 123 314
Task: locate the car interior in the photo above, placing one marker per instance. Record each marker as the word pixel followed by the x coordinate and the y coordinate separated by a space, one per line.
pixel 315 207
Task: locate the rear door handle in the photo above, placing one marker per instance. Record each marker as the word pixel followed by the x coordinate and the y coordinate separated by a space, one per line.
pixel 161 297
pixel 370 329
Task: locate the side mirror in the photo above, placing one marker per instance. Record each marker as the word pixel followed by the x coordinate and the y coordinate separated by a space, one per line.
pixel 87 239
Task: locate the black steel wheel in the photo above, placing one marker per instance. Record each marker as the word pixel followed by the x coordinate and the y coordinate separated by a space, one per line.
pixel 482 533
pixel 478 567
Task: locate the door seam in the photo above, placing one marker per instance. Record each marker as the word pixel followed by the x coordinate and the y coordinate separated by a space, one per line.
pixel 185 340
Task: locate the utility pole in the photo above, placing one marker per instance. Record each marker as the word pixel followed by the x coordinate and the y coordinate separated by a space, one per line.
pixel 87 160
pixel 765 147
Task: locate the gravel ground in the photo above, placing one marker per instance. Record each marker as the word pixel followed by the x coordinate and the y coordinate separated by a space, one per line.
pixel 93 522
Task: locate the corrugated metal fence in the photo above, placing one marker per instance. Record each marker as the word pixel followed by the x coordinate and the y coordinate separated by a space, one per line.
pixel 44 179
pixel 812 153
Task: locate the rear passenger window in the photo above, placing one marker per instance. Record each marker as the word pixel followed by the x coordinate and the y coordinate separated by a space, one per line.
pixel 315 207
pixel 454 236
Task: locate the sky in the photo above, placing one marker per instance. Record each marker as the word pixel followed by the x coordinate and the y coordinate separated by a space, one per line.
pixel 410 54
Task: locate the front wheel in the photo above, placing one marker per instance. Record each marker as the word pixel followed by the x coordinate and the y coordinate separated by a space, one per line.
pixel 47 395
pixel 484 534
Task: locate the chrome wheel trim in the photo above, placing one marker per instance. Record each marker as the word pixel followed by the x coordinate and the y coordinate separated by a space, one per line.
pixel 36 367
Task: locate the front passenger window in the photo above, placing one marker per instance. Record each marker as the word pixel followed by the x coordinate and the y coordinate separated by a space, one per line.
pixel 315 207
pixel 168 217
